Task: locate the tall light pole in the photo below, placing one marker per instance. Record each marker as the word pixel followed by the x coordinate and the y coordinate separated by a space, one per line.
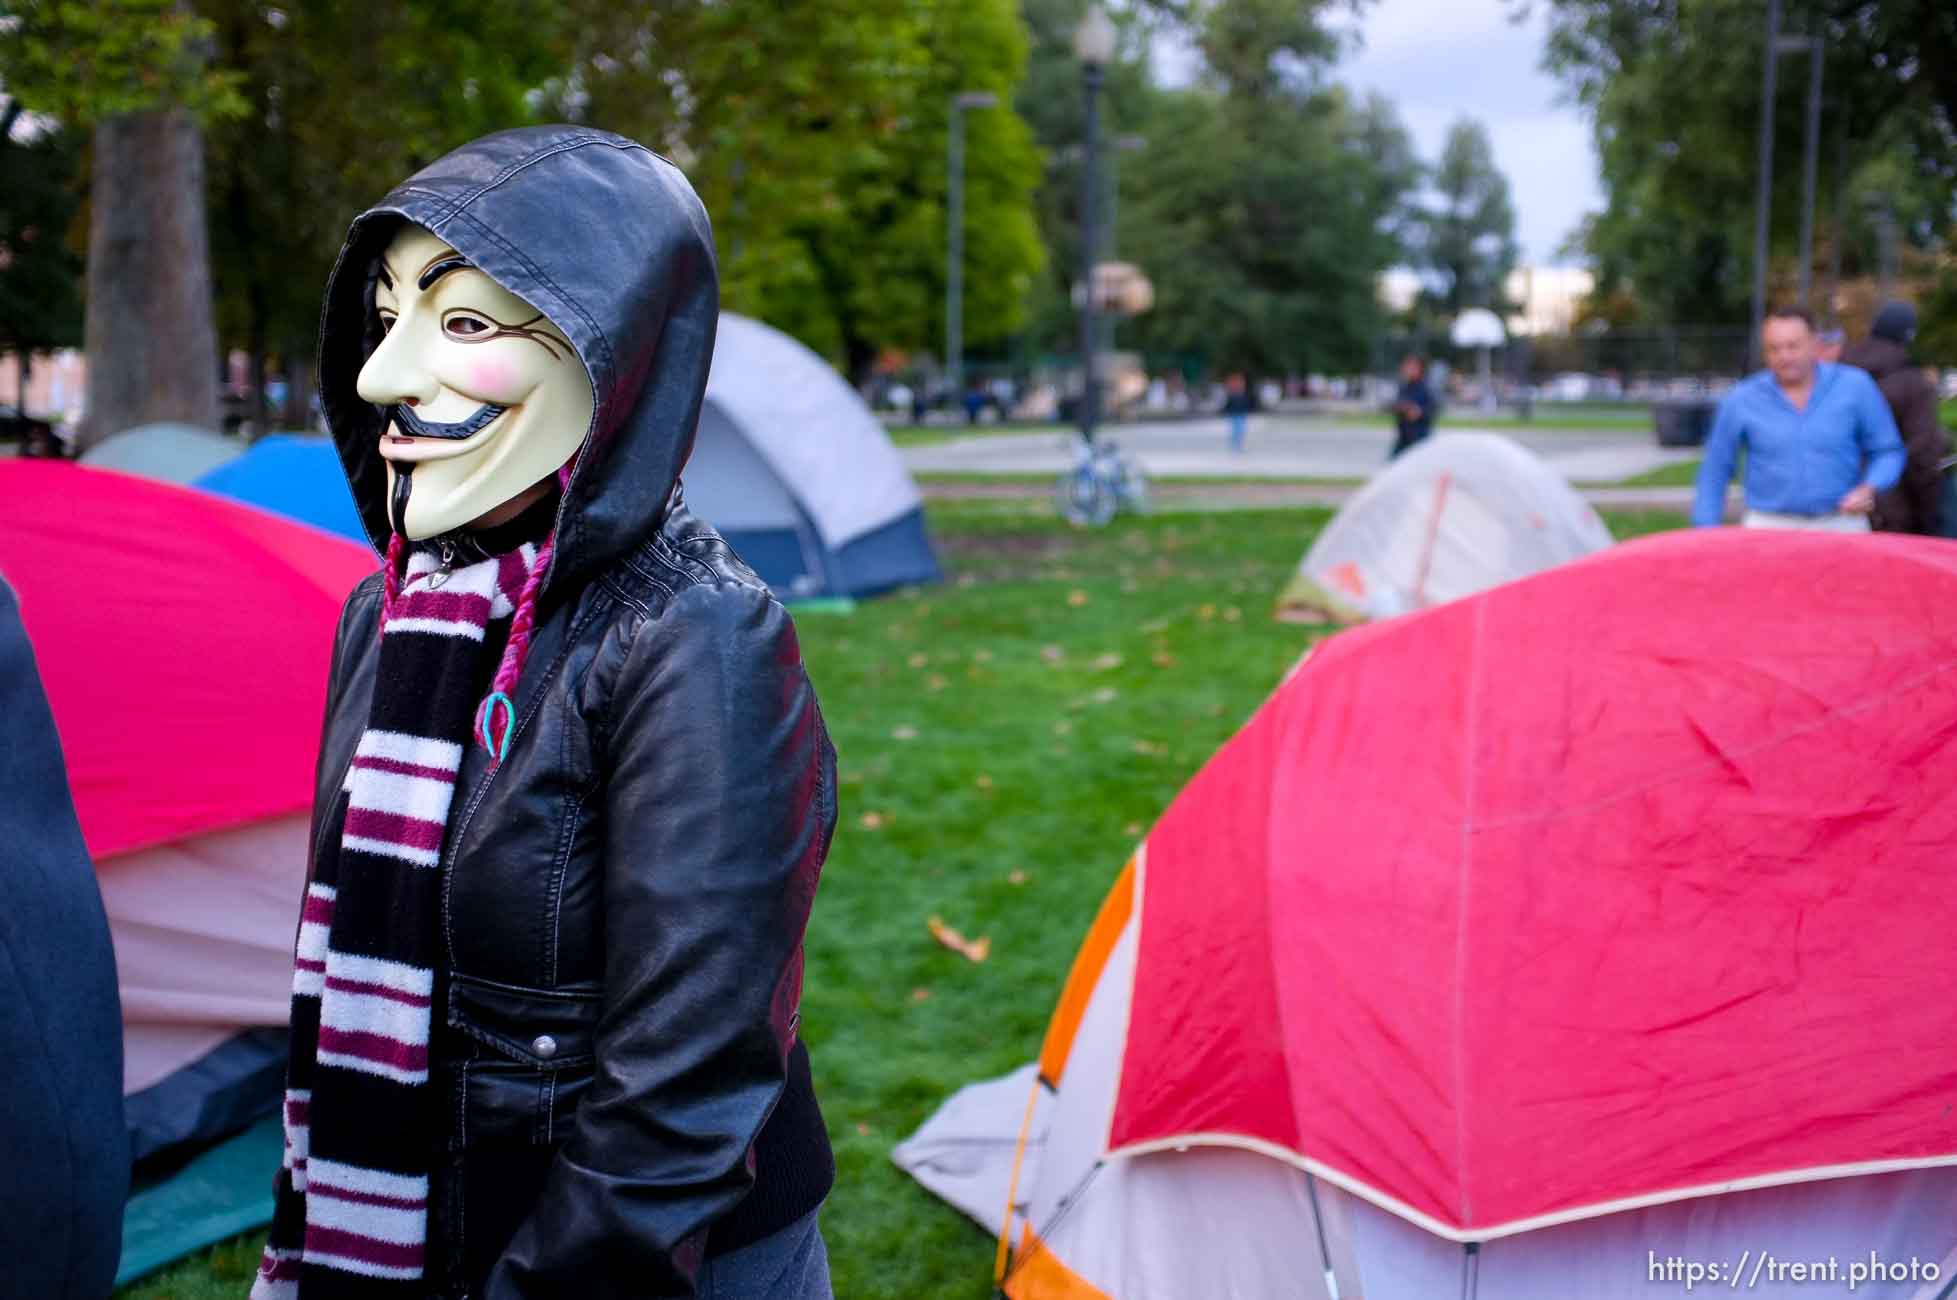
pixel 1094 47
pixel 1810 167
pixel 955 239
pixel 1763 197
pixel 1776 46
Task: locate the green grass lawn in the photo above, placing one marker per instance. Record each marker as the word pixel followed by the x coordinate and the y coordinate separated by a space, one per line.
pixel 1005 740
pixel 1684 473
pixel 927 435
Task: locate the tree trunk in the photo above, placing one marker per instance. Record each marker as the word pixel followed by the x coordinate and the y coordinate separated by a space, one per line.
pixel 151 334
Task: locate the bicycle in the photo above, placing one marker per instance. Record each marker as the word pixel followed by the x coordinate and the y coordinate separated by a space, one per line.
pixel 1103 482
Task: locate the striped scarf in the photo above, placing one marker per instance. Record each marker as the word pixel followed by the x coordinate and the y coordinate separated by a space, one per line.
pixel 362 1125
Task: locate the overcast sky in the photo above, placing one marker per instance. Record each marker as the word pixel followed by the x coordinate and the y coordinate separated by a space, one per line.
pixel 1439 60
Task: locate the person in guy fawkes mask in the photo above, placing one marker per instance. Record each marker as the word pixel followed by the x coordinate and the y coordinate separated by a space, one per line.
pixel 574 787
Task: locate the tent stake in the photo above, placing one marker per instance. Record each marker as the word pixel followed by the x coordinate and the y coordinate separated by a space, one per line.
pixel 1471 1271
pixel 1324 1255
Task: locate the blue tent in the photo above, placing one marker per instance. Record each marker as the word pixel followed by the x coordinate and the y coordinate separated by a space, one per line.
pixel 799 476
pixel 293 475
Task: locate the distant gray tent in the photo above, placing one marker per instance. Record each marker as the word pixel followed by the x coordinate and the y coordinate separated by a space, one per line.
pixel 799 476
pixel 170 453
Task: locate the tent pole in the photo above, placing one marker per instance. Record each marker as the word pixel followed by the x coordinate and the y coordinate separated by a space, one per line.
pixel 1324 1254
pixel 1471 1271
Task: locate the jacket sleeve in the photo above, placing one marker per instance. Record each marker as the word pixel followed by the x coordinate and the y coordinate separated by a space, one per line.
pixel 1882 446
pixel 1716 470
pixel 718 808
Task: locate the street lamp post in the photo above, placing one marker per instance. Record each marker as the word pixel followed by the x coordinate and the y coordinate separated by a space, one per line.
pixel 1094 47
pixel 1776 46
pixel 955 239
pixel 1810 167
pixel 1763 198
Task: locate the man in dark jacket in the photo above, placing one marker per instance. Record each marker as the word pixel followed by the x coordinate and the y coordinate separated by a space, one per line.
pixel 1914 505
pixel 64 1149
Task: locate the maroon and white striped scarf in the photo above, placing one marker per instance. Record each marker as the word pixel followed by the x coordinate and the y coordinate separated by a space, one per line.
pixel 362 1127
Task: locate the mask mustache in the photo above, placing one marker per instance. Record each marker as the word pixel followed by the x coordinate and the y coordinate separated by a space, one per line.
pixel 407 422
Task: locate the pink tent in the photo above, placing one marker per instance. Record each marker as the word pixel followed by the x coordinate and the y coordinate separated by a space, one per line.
pixel 184 641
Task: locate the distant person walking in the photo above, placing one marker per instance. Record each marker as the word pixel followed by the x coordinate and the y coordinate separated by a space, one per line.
pixel 1413 407
pixel 1915 504
pixel 1819 439
pixel 1236 409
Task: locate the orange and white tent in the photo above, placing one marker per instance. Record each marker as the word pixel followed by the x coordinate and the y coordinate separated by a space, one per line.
pixel 1457 514
pixel 1519 948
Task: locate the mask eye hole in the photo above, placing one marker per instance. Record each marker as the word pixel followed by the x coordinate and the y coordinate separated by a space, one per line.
pixel 466 326
pixel 387 321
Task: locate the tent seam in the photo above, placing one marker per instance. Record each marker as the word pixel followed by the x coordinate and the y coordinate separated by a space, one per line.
pixel 1468 788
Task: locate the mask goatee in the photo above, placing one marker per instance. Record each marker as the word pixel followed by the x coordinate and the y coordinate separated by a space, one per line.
pixel 397 506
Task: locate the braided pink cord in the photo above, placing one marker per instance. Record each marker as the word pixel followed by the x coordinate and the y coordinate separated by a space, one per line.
pixel 515 651
pixel 391 575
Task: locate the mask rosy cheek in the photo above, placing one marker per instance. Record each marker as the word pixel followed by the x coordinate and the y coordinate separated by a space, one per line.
pixel 493 379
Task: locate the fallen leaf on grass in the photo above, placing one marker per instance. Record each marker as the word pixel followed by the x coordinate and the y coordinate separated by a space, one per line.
pixel 1232 614
pixel 1053 654
pixel 981 656
pixel 1015 877
pixel 1206 612
pixel 1062 727
pixel 1106 695
pixel 1150 748
pixel 1163 659
pixel 1132 829
pixel 966 580
pixel 871 821
pixel 969 949
pixel 862 1129
pixel 984 781
pixel 920 995
pixel 1107 663
pixel 1076 598
pixel 903 733
pixel 935 682
pixel 919 659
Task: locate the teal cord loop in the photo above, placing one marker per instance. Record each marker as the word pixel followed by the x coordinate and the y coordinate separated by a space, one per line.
pixel 486 720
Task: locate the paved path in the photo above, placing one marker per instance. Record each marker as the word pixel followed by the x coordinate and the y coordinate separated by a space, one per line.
pixel 1283 447
pixel 1268 496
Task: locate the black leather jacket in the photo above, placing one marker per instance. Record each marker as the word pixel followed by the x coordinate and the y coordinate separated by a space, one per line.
pixel 624 898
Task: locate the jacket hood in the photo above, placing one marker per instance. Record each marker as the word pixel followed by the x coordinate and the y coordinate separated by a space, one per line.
pixel 1880 357
pixel 610 242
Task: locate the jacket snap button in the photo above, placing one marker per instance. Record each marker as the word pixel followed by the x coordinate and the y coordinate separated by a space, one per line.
pixel 544 1046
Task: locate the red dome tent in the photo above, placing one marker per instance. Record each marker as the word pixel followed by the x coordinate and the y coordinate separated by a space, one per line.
pixel 1531 922
pixel 184 641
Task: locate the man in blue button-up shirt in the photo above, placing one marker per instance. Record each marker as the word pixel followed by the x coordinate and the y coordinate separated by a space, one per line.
pixel 1819 440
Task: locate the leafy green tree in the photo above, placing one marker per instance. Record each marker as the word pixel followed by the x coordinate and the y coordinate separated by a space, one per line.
pixel 40 271
pixel 1264 204
pixel 343 100
pixel 816 136
pixel 1468 236
pixel 137 74
pixel 1674 90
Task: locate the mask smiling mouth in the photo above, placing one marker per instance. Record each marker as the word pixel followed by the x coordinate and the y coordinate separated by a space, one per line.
pixel 409 425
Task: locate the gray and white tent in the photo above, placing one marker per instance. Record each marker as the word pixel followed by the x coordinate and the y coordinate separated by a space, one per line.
pixel 799 476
